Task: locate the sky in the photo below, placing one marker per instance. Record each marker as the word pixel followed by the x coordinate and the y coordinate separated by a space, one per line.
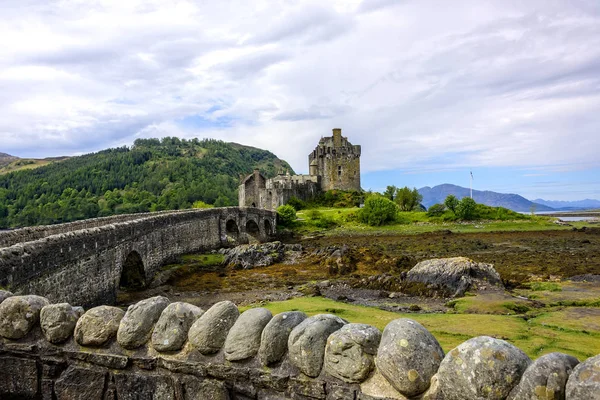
pixel 430 89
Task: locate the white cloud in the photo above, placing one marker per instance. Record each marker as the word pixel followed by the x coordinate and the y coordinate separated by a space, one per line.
pixel 421 86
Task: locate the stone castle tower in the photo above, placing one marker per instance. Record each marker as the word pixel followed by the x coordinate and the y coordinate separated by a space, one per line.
pixel 337 162
pixel 333 164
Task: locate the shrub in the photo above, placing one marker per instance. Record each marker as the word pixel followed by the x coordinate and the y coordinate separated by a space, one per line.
pixel 313 214
pixel 451 202
pixel 200 204
pixel 286 215
pixel 377 211
pixel 325 222
pixel 436 210
pixel 296 203
pixel 466 208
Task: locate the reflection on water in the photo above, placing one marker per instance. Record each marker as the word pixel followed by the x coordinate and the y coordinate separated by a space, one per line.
pixel 573 219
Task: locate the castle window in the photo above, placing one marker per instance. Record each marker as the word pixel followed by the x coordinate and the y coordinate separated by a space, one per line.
pixel 339 170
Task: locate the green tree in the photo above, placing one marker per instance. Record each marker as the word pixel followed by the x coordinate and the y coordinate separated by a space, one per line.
pixel 451 202
pixel 436 210
pixel 390 192
pixel 377 210
pixel 466 208
pixel 408 199
pixel 286 215
pixel 296 203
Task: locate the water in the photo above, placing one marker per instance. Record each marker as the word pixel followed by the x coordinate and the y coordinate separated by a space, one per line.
pixel 573 219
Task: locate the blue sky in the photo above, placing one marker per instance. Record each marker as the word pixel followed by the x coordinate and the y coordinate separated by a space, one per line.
pixel 506 88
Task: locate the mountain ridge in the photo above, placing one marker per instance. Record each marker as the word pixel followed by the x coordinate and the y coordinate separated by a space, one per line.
pixel 570 204
pixel 512 201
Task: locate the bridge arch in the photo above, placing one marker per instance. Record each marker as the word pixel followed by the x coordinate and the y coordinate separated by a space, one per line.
pixel 133 275
pixel 268 228
pixel 252 229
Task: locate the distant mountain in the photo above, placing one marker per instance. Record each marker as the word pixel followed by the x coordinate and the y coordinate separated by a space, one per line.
pixel 7 159
pixel 514 202
pixel 570 205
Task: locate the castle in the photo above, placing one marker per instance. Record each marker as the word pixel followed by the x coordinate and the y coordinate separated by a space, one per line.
pixel 333 164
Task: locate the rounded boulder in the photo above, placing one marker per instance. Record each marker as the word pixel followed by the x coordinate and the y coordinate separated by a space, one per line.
pixel 136 326
pixel 171 330
pixel 584 382
pixel 18 314
pixel 408 356
pixel 349 353
pixel 209 332
pixel 243 340
pixel 58 321
pixel 307 341
pixel 98 325
pixel 274 338
pixel 4 294
pixel 546 378
pixel 481 367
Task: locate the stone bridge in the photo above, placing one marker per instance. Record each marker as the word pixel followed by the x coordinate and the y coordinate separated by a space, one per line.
pixel 85 262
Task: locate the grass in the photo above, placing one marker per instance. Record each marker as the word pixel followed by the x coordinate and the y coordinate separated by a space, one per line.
pixel 414 222
pixel 536 336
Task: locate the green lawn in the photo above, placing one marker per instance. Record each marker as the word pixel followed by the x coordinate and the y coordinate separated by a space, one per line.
pixel 414 222
pixel 546 333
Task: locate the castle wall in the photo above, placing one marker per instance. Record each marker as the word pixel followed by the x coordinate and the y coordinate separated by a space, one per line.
pixel 282 188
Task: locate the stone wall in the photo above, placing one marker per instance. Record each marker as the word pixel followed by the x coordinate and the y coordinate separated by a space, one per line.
pixel 85 265
pixel 162 350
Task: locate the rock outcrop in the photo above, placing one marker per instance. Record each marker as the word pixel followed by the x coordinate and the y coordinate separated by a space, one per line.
pixel 248 256
pixel 455 275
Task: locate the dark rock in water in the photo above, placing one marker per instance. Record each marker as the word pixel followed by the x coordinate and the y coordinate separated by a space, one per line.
pixel 249 256
pixel 584 382
pixel 585 278
pixel 481 368
pixel 546 378
pixel 454 275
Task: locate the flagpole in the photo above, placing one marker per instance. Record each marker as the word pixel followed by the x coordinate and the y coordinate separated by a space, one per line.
pixel 471 184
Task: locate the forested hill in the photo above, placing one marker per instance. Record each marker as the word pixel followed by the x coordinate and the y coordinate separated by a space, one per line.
pixel 152 175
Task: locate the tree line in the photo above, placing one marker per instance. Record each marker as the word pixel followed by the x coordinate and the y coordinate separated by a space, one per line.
pixel 153 175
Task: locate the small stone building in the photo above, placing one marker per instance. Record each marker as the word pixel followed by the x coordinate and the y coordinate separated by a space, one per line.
pixel 333 164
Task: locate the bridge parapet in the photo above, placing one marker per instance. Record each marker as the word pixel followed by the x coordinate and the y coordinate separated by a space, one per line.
pixel 177 351
pixel 86 265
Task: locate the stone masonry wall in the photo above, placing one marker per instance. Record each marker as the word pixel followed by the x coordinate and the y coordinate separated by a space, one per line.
pixel 84 266
pixel 162 350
